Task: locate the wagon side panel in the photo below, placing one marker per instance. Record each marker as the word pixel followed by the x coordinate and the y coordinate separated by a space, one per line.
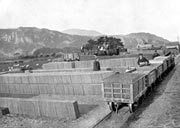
pixel 116 92
pixel 139 88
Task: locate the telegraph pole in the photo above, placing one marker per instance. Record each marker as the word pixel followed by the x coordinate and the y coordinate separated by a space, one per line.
pixel 178 42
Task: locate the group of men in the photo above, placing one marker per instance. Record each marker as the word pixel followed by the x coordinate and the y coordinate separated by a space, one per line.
pixel 142 61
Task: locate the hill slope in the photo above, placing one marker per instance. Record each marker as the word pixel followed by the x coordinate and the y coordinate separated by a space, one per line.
pixel 131 40
pixel 28 39
pixel 82 32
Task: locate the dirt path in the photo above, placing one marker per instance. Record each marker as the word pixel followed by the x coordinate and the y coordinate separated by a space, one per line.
pixel 164 111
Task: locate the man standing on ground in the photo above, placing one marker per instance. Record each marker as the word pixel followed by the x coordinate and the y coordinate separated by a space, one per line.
pixel 96 64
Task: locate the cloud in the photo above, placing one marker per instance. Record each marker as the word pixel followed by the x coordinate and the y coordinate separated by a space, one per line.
pixel 108 16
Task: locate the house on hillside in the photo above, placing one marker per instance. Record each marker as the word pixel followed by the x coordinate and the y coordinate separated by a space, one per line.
pixel 144 46
pixel 173 47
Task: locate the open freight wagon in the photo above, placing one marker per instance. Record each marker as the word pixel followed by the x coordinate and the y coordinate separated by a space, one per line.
pixel 150 72
pixel 128 88
pixel 168 59
pixel 167 62
pixel 123 88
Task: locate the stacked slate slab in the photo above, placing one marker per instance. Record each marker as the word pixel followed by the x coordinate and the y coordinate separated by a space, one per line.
pixel 67 70
pixel 61 83
pixel 108 63
pixel 40 107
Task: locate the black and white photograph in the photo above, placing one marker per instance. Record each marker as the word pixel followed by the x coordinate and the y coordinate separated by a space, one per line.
pixel 89 64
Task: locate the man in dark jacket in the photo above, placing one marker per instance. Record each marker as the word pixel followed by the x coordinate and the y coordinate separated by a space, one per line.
pixel 142 61
pixel 155 54
pixel 96 65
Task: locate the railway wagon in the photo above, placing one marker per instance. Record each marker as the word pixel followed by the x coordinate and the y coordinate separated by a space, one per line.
pixel 165 60
pixel 169 62
pixel 150 73
pixel 163 64
pixel 172 61
pixel 159 70
pixel 123 88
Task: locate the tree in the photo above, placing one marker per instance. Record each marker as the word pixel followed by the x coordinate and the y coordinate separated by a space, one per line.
pixel 91 44
pixel 104 41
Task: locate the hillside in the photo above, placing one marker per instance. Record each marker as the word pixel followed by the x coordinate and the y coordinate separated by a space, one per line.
pixel 131 40
pixel 82 32
pixel 28 39
pixel 25 40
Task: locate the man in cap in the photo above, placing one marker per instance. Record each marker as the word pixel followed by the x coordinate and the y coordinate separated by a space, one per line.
pixel 142 61
pixel 155 54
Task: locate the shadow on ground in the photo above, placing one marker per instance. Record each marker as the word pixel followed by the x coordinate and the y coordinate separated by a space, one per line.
pixel 85 108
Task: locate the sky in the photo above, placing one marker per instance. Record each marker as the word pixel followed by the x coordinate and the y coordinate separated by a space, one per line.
pixel 160 17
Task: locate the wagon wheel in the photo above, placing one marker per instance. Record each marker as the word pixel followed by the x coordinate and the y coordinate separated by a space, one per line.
pixel 131 108
pixel 112 106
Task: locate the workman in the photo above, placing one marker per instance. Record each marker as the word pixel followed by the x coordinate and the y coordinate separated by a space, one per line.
pixel 96 64
pixel 142 61
pixel 155 54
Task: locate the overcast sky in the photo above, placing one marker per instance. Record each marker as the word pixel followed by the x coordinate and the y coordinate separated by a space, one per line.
pixel 160 17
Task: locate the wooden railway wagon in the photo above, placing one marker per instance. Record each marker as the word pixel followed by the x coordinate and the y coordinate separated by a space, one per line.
pixel 123 88
pixel 162 62
pixel 168 62
pixel 150 73
pixel 166 59
pixel 128 88
pixel 159 70
pixel 172 60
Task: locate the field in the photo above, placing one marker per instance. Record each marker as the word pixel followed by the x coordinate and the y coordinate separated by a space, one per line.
pixel 37 63
pixel 33 63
